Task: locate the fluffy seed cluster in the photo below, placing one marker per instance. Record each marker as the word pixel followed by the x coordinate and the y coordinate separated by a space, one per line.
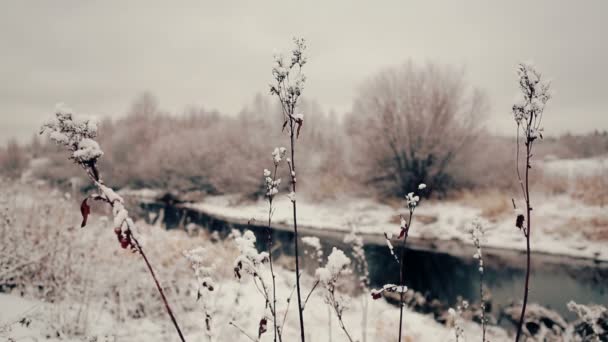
pixel 75 132
pixel 249 259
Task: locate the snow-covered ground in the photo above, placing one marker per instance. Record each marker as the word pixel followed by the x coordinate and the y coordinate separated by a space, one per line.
pixel 572 168
pixel 382 324
pixel 561 224
pixel 73 284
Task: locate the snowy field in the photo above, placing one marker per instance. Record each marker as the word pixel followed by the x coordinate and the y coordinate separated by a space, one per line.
pixel 63 283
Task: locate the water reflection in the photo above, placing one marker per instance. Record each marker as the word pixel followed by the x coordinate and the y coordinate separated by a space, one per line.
pixel 554 281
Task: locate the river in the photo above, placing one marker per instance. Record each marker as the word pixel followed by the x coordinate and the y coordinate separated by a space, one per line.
pixel 442 270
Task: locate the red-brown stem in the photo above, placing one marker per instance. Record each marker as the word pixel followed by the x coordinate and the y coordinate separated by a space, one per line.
pixel 160 289
pixel 92 172
pixel 295 229
pixel 401 273
pixel 274 291
pixel 527 232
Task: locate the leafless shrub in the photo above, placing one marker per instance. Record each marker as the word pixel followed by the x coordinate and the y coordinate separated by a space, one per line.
pixel 410 123
pixel 12 160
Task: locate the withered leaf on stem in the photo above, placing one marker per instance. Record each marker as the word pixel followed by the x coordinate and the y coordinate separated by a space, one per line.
pixel 85 210
pixel 519 222
pixel 263 327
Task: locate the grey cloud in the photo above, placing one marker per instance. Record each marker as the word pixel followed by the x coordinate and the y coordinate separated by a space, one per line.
pixel 97 56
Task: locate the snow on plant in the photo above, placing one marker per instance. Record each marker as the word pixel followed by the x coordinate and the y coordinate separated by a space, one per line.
pixel 205 285
pixel 591 315
pixel 77 134
pixel 458 321
pixel 328 277
pixel 355 240
pixel 412 200
pixel 314 243
pixel 288 87
pixel 272 188
pixel 250 261
pixel 477 232
pixel 528 114
pixel 362 268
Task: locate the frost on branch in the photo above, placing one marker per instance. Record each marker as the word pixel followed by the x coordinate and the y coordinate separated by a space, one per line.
pixel 315 244
pixel 201 272
pixel 355 240
pixel 328 277
pixel 289 83
pixel 592 317
pixel 249 259
pixel 529 108
pixel 75 132
pixel 477 236
pixel 337 264
pixel 271 184
pixel 458 321
pixel 278 155
pixel 377 293
pixel 412 200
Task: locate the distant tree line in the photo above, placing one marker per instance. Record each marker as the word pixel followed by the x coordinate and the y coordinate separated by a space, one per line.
pixel 409 124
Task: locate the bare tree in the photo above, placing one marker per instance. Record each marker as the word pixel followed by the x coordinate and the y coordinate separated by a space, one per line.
pixel 410 122
pixel 12 160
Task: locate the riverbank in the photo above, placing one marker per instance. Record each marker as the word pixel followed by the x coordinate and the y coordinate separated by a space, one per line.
pixel 442 226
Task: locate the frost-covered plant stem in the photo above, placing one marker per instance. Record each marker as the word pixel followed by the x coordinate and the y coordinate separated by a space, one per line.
pixel 401 271
pixel 295 227
pixel 288 88
pixel 77 135
pixel 361 264
pixel 270 245
pixel 108 197
pixel 477 233
pixel 412 201
pixel 528 116
pixel 328 276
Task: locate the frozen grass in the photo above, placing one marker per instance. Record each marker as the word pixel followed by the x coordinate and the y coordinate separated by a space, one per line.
pixel 103 295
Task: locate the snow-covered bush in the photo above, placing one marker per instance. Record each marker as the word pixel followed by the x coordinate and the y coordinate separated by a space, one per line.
pixel 593 325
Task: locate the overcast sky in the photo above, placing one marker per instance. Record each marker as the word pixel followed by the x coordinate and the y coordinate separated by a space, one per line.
pixel 97 56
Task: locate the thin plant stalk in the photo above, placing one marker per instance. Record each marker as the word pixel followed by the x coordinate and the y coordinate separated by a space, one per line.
pixel 295 227
pixel 270 246
pixel 94 175
pixel 526 234
pixel 402 275
pixel 528 115
pixel 288 88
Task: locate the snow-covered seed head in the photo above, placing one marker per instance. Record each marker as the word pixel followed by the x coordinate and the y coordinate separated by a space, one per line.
pixel 412 200
pixel 278 155
pixel 74 132
pixel 528 108
pixel 477 233
pixel 337 264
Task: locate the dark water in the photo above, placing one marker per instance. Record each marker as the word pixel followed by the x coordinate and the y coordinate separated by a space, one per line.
pixel 439 275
